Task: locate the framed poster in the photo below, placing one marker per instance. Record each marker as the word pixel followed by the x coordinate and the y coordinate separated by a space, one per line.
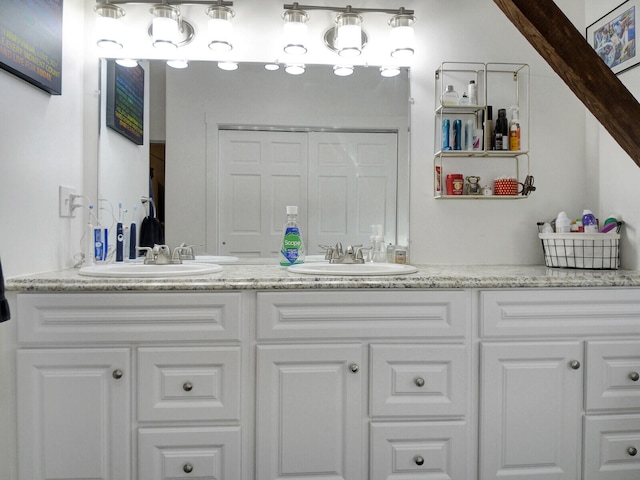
pixel 31 42
pixel 613 37
pixel 125 101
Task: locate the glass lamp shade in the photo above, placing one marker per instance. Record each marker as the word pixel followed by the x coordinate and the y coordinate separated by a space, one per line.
pixel 389 72
pixel 401 36
pixel 228 66
pixel 296 69
pixel 165 25
pixel 109 28
pixel 349 34
pixel 220 28
pixel 342 70
pixel 295 32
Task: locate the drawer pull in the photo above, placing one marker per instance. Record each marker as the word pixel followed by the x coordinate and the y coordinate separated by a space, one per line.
pixel 117 374
pixel 634 376
pixel 419 460
pixel 632 451
pixel 187 468
pixel 187 386
pixel 419 382
pixel 354 368
pixel 575 364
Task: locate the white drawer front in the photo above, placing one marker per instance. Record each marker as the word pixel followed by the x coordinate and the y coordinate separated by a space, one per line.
pixel 197 383
pixel 613 375
pixel 130 317
pixel 418 380
pixel 357 314
pixel 612 447
pixel 550 312
pixel 420 451
pixel 175 453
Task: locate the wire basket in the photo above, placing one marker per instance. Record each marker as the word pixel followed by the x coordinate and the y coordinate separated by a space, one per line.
pixel 597 251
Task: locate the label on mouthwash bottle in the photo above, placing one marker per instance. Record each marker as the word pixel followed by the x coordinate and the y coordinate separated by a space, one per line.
pixel 291 246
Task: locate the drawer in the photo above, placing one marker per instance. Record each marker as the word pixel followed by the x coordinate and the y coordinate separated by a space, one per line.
pixel 196 383
pixel 613 375
pixel 420 451
pixel 131 317
pixel 174 453
pixel 358 314
pixel 418 380
pixel 552 312
pixel 612 443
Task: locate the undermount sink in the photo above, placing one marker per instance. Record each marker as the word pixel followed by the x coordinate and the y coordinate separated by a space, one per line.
pixel 140 270
pixel 359 269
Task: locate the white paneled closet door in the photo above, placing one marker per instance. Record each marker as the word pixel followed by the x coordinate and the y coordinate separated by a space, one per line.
pixel 261 172
pixel 342 182
pixel 352 185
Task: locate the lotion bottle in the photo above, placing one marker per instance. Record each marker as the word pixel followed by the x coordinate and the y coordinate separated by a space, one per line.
pixel 514 130
pixel 292 247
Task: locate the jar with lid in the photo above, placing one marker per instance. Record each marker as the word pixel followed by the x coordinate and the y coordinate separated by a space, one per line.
pixel 450 97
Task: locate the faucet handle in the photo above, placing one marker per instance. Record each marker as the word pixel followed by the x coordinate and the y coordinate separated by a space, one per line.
pixel 328 251
pixel 148 257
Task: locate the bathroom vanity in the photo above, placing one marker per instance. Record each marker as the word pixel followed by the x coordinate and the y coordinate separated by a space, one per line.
pixel 257 373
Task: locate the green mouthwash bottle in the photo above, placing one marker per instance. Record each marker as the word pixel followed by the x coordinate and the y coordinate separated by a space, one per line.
pixel 292 248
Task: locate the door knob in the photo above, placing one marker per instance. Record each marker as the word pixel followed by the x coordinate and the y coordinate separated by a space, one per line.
pixel 632 451
pixel 419 460
pixel 354 368
pixel 419 382
pixel 187 386
pixel 117 374
pixel 575 364
pixel 634 376
pixel 187 468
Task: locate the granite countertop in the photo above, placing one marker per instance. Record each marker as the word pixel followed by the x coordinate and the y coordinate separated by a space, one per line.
pixel 274 277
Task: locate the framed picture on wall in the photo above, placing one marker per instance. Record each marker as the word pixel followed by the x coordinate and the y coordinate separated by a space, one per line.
pixel 613 37
pixel 31 42
pixel 125 101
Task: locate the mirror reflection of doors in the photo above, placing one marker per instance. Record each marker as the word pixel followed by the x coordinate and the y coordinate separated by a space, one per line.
pixel 157 175
pixel 343 182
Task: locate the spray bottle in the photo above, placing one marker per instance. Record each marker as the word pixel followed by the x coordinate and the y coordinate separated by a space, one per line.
pixel 514 130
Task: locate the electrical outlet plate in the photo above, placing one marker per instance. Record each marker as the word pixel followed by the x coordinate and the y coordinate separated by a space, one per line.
pixel 66 201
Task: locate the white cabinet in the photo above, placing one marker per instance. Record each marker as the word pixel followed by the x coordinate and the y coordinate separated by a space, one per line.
pixel 74 414
pixel 99 374
pixel 531 410
pixel 559 396
pixel 362 385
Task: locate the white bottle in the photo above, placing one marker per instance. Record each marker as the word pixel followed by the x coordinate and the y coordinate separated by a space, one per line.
pixel 472 91
pixel 563 224
pixel 292 246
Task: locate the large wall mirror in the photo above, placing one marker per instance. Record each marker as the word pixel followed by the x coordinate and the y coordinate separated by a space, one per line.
pixel 230 150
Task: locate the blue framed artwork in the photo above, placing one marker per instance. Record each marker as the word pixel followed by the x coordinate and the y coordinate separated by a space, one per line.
pixel 613 37
pixel 125 101
pixel 31 42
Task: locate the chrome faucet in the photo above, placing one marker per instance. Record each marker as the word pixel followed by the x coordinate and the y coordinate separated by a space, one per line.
pixel 183 252
pixel 336 254
pixel 159 255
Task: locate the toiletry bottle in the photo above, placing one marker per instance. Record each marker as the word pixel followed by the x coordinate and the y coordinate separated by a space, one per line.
pixel 88 240
pixel 469 129
pixel 501 131
pixel 465 99
pixel 563 224
pixel 457 134
pixel 473 92
pixel 292 248
pixel 589 222
pixel 488 129
pixel 379 250
pixel 514 130
pixel 450 97
pixel 446 125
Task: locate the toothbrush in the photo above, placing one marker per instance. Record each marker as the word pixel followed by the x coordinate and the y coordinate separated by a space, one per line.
pixel 119 236
pixel 132 235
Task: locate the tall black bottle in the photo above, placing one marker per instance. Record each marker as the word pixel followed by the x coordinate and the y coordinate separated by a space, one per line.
pixel 501 131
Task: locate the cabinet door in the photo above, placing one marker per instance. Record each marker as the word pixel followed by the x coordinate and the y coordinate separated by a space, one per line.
pixel 73 414
pixel 530 410
pixel 309 412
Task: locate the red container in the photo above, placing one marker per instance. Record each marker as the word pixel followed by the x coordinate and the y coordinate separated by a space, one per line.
pixel 505 186
pixel 455 184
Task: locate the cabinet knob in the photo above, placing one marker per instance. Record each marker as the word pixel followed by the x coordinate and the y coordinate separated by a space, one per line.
pixel 634 376
pixel 419 460
pixel 354 368
pixel 575 364
pixel 632 451
pixel 187 468
pixel 187 386
pixel 419 382
pixel 117 374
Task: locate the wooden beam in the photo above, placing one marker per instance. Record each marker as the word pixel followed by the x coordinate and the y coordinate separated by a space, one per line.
pixel 564 48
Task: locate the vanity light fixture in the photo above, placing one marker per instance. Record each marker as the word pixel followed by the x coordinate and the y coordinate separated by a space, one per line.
pixel 178 63
pixel 228 66
pixel 272 67
pixel 347 37
pixel 219 27
pixel 342 70
pixel 389 72
pixel 295 69
pixel 109 27
pixel 168 29
pixel 127 62
pixel 295 30
pixel 401 35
